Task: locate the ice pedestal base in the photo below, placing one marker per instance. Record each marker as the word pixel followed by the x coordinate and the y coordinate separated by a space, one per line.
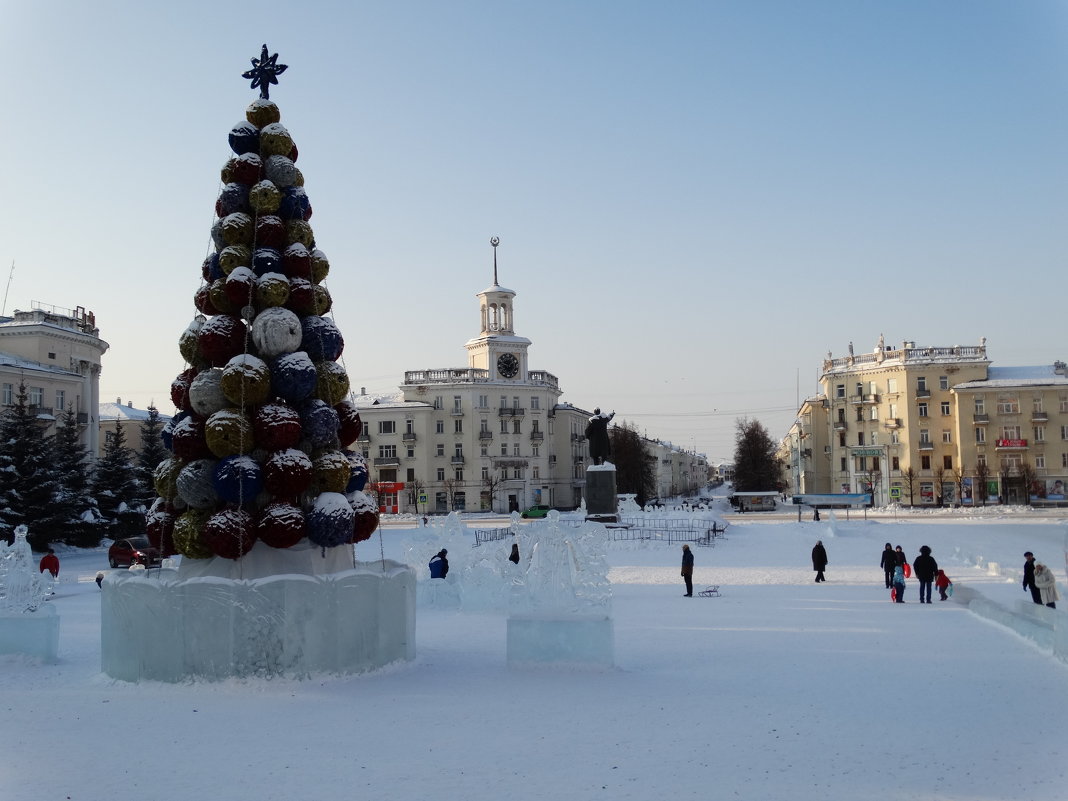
pixel 170 628
pixel 34 633
pixel 578 641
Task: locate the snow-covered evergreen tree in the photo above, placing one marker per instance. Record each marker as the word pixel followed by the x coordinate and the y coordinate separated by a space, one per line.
pixel 77 519
pixel 117 487
pixel 153 451
pixel 27 478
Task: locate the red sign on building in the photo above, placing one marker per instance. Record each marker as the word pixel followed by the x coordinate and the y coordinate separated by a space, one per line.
pixel 1011 443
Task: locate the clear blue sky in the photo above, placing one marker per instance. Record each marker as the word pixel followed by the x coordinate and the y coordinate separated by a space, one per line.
pixel 683 190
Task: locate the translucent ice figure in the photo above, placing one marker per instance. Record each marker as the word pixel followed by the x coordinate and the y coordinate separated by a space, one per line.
pixel 567 571
pixel 23 588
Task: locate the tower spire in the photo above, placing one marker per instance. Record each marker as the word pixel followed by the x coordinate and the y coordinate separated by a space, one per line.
pixel 494 240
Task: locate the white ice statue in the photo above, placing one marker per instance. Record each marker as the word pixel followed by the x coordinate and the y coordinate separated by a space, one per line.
pixel 567 572
pixel 23 588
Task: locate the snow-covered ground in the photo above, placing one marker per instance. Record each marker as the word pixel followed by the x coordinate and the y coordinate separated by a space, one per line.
pixel 780 689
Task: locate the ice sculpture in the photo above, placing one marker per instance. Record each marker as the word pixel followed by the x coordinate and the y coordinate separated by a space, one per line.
pixel 27 624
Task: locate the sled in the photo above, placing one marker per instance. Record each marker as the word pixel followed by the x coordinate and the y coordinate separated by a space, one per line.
pixel 949 589
pixel 908 570
pixel 893 593
pixel 710 592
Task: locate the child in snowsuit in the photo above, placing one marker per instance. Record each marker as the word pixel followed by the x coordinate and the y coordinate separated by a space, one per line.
pixel 942 583
pixel 899 583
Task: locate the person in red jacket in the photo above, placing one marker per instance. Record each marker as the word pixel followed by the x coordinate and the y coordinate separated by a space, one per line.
pixel 942 582
pixel 50 562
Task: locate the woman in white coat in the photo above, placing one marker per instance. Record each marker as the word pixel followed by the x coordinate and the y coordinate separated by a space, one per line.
pixel 1046 585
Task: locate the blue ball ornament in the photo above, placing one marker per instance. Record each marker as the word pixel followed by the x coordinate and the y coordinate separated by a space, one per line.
pixel 360 473
pixel 319 423
pixel 293 376
pixel 295 204
pixel 321 339
pixel 244 138
pixel 238 479
pixel 266 260
pixel 232 198
pixel 331 520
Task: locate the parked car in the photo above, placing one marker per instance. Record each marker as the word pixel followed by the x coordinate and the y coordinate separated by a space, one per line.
pixel 536 511
pixel 133 550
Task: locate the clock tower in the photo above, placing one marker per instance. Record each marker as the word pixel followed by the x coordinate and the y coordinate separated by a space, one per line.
pixel 497 349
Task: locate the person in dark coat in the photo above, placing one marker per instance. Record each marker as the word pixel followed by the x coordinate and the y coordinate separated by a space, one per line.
pixel 901 558
pixel 925 568
pixel 819 560
pixel 514 555
pixel 1029 578
pixel 439 565
pixel 888 563
pixel 687 569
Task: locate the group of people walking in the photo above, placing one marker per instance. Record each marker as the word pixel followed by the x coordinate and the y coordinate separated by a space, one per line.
pixel 1040 581
pixel 896 569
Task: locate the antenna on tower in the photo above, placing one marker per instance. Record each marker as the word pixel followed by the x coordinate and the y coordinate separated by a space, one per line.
pixel 494 240
pixel 10 275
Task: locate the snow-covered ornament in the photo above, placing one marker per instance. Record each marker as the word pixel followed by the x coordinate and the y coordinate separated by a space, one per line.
pixel 330 521
pixel 265 197
pixel 275 140
pixel 186 535
pixel 321 339
pixel 320 266
pixel 159 527
pixel 246 380
pixel 240 288
pixel 358 474
pixel 244 138
pixel 229 533
pixel 206 394
pixel 263 111
pixel 276 331
pixel 276 427
pixel 295 204
pixel 271 232
pixel 349 423
pixel 233 256
pixel 288 473
pixel 281 525
pixel 293 375
pixel 332 472
pixel 221 338
pixel 233 198
pixel 244 169
pixel 237 229
pixel 296 261
pixel 282 172
pixel 165 477
pixel 238 480
pixel 272 289
pixel 194 484
pixel 228 433
pixel 300 231
pixel 333 382
pixel 319 423
pixel 365 517
pixel 187 439
pixel 217 295
pixel 266 260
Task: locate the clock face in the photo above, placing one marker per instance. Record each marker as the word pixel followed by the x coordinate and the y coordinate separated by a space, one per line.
pixel 507 365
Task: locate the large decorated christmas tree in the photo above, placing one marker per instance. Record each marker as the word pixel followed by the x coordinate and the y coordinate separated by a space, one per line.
pixel 259 442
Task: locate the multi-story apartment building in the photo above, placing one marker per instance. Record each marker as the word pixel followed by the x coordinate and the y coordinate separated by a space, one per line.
pixel 56 354
pixel 912 424
pixel 129 419
pixel 493 435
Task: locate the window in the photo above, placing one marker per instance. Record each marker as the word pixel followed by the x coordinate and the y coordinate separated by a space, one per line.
pixel 874 437
pixel 921 383
pixel 36 396
pixel 484 449
pixel 1064 460
pixel 517 426
pixel 841 439
pixel 1036 404
pixel 504 449
pixel 1008 404
pixel 517 472
pixel 1064 432
pixel 51 354
pixel 387 427
pixel 922 407
pixel 459 474
pixel 842 465
pixel 980 434
pixel 504 401
pixel 504 426
pixel 441 474
pixel 409 426
pixel 945 408
pixel 535 403
pixel 895 437
pixel 410 477
pixel 535 451
pixel 943 382
pixel 862 464
pixel 1040 461
pixel 457 404
pixel 947 462
pixel 534 426
pixel 860 438
pixel 387 451
pixel 925 462
pixel 8 394
pixel 895 463
pixel 839 390
pixel 515 449
pixel 439 402
pixel 875 464
pixel 440 449
pixel 535 473
pixel 980 404
pixel 515 403
pixel 483 401
pixel 61 399
pixel 860 414
pixel 459 450
pixel 874 412
pixel 1064 403
pixel 410 452
pixel 841 415
pixel 483 425
pixel 485 473
pixel 925 435
pixel 891 385
pixel 1040 433
pixel 1010 432
pixel 439 426
pixel 458 426
pixel 947 435
pixel 980 459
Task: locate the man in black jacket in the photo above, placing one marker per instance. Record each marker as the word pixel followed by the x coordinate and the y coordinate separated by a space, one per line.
pixel 888 563
pixel 925 569
pixel 1029 578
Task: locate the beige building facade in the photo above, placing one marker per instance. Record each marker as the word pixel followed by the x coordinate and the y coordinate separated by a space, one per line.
pixel 56 354
pixel 925 425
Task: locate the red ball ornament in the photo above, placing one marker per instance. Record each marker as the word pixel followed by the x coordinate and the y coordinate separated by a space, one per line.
pixel 301 297
pixel 287 474
pixel 180 389
pixel 159 526
pixel 350 424
pixel 187 439
pixel 270 232
pixel 281 525
pixel 230 533
pixel 364 525
pixel 203 302
pixel 217 293
pixel 244 169
pixel 240 287
pixel 296 261
pixel 222 338
pixel 276 426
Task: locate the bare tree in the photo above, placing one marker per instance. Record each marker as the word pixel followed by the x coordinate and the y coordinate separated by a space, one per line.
pixel 492 483
pixel 909 474
pixel 1029 476
pixel 940 481
pixel 982 481
pixel 958 479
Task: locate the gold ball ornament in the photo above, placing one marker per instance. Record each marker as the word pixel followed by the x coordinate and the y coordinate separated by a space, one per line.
pixel 300 231
pixel 219 298
pixel 187 527
pixel 275 140
pixel 265 197
pixel 332 471
pixel 188 342
pixel 233 256
pixel 320 266
pixel 246 381
pixel 322 300
pixel 165 478
pixel 228 433
pixel 262 112
pixel 237 229
pixel 332 385
pixel 272 289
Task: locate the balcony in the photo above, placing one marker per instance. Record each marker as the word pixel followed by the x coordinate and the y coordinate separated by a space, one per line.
pixel 578 437
pixel 457 411
pixel 485 435
pixel 981 419
pixel 923 393
pixel 868 399
pixel 840 425
pixel 537 435
pixel 1039 417
pixel 1011 444
pixel 510 411
pixel 457 460
pixel 892 422
pixel 364 436
pixel 926 446
pixel 387 461
pixel 408 436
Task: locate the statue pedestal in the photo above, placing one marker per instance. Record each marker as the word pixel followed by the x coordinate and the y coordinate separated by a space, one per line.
pixel 602 503
pixel 34 633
